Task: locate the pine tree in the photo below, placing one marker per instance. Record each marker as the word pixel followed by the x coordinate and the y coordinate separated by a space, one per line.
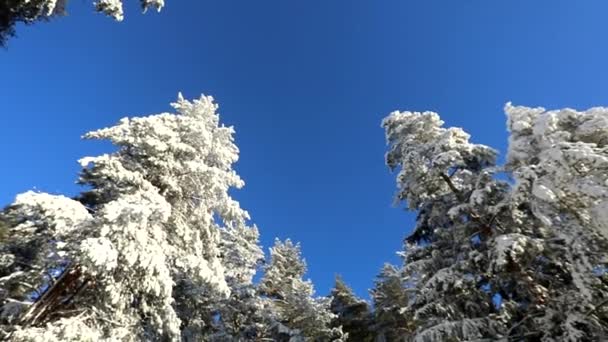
pixel 293 312
pixel 392 319
pixel 448 180
pixel 559 162
pixel 140 254
pixel 241 317
pixel 353 314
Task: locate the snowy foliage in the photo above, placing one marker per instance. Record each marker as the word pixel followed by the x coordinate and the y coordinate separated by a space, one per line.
pixel 426 152
pixel 449 180
pixel 65 329
pixel 29 11
pixel 151 251
pixel 296 314
pixel 43 233
pixel 559 161
pixel 114 8
pixel 392 320
pixel 241 316
pixel 157 249
pixel 495 260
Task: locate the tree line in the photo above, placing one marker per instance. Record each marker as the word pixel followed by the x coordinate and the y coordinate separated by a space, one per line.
pixel 156 248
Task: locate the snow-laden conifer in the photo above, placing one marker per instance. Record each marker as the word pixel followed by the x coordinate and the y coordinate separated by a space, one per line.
pixel 241 316
pixel 559 162
pixel 392 319
pixel 155 245
pixel 294 313
pixel 353 314
pixel 448 180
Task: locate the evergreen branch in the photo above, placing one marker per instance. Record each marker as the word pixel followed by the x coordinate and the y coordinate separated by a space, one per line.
pixel 522 321
pixel 453 187
pixel 596 308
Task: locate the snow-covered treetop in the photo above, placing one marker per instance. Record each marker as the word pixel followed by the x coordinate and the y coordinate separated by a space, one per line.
pixel 156 231
pixel 61 214
pixel 389 290
pixel 297 315
pixel 187 156
pixel 174 171
pixel 344 294
pixel 241 254
pixel 426 153
pixel 286 266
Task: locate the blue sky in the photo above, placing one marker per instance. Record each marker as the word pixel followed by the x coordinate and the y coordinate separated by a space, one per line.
pixel 306 84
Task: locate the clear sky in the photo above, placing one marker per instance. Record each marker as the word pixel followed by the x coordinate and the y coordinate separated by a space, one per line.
pixel 306 84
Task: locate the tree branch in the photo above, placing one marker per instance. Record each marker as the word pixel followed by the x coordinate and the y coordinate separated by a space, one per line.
pixel 452 187
pixel 596 308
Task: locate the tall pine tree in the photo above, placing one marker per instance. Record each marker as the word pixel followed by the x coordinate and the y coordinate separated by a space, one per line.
pixel 446 178
pixel 141 255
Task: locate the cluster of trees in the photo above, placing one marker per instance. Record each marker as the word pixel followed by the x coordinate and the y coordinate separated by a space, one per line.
pixel 499 253
pixel 154 249
pixel 491 259
pixel 157 249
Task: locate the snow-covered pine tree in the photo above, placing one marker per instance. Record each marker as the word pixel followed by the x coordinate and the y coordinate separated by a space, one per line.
pixel 141 252
pixel 559 162
pixel 30 11
pixel 392 319
pixel 449 181
pixel 352 313
pixel 294 314
pixel 240 317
